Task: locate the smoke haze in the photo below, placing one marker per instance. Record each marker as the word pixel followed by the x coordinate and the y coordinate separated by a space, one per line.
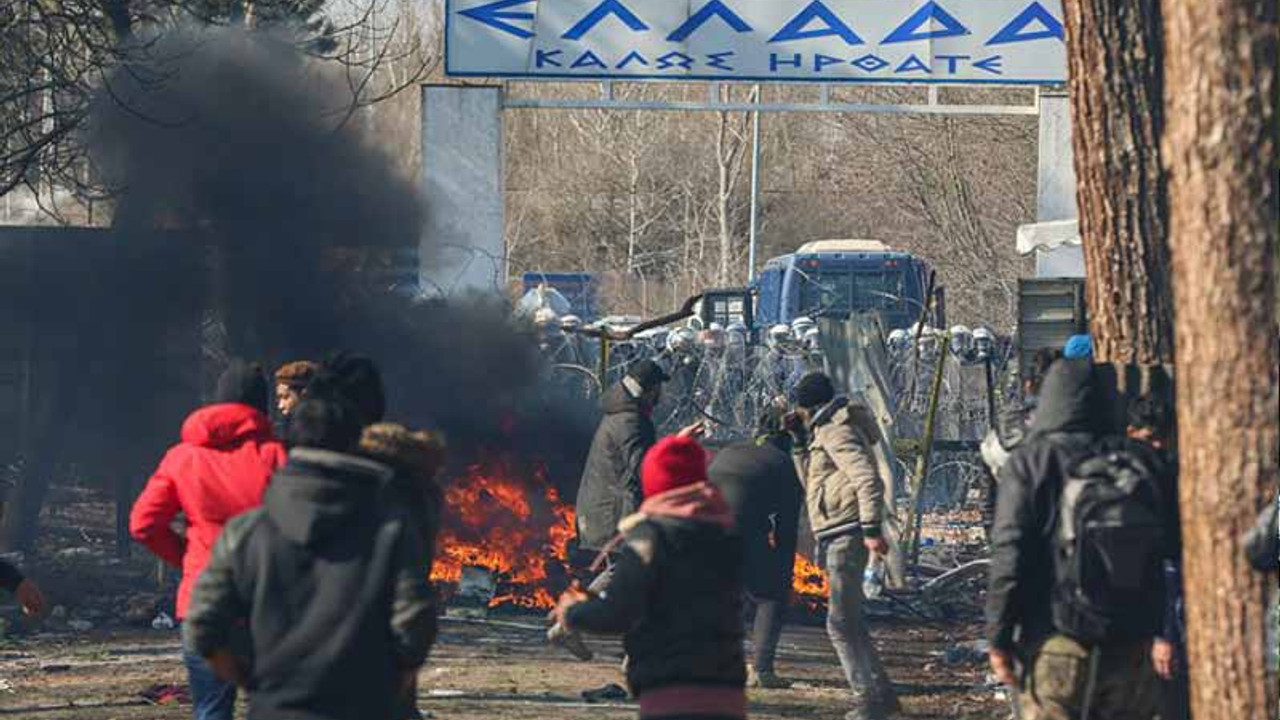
pixel 244 145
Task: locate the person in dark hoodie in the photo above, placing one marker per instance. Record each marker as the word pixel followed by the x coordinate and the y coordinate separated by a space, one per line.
pixel 353 380
pixel 759 481
pixel 414 458
pixel 1076 417
pixel 675 593
pixel 219 470
pixel 316 603
pixel 610 487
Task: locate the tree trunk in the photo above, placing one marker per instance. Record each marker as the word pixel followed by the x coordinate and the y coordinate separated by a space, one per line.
pixel 1114 57
pixel 1220 150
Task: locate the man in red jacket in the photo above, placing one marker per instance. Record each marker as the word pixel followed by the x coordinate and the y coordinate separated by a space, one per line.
pixel 219 470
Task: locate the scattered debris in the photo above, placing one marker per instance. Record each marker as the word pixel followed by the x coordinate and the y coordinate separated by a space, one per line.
pixel 74 552
pixel 140 609
pixel 163 622
pixel 6 686
pixel 610 692
pixel 445 693
pixel 475 592
pixel 162 694
pixel 974 651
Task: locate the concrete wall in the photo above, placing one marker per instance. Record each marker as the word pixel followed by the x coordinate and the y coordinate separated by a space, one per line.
pixel 1056 184
pixel 462 248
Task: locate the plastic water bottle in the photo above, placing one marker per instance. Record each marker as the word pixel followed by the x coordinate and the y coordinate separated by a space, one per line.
pixel 873 578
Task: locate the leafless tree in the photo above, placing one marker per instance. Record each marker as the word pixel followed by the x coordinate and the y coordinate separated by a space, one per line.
pixel 56 57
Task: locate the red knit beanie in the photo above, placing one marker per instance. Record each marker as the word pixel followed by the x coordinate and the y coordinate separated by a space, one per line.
pixel 671 463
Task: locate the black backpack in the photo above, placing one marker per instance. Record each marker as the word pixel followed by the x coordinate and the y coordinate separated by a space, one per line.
pixel 1109 545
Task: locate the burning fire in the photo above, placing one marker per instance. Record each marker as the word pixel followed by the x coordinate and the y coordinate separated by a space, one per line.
pixel 512 524
pixel 515 525
pixel 809 583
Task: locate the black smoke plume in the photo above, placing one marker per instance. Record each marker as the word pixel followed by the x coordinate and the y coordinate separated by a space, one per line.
pixel 244 151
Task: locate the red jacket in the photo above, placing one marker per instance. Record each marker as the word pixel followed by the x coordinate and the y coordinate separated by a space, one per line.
pixel 219 470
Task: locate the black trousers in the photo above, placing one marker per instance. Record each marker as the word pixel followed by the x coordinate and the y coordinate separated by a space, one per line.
pixel 767 617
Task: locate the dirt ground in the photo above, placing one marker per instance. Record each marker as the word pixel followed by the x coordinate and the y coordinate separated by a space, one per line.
pixel 57 669
pixel 496 669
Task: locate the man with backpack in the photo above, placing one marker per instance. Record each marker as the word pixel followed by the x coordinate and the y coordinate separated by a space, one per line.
pixel 1082 527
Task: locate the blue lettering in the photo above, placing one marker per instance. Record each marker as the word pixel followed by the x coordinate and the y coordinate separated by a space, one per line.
pixel 991 64
pixel 1017 29
pixel 603 10
pixel 589 59
pixel 696 20
pixel 794 29
pixel 717 60
pixel 675 59
pixel 869 63
pixel 913 27
pixel 912 64
pixel 542 58
pixel 495 15
pixel 775 61
pixel 632 56
pixel 820 61
pixel 951 61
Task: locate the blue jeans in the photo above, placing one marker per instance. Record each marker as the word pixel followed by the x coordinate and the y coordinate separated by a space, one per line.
pixel 211 698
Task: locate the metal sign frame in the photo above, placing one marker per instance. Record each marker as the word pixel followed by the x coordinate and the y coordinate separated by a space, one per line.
pixel 1055 176
pixel 608 100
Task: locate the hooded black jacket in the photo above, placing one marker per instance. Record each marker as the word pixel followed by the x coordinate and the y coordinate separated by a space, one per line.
pixel 760 483
pixel 676 595
pixel 1074 412
pixel 328 579
pixel 610 488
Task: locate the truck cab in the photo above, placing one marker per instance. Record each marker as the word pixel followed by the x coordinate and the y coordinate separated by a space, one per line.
pixel 835 278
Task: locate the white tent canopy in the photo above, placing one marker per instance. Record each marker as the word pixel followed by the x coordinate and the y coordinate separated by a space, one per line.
pixel 1047 235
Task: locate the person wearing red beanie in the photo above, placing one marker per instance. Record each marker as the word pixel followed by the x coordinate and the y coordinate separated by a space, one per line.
pixel 675 593
pixel 673 462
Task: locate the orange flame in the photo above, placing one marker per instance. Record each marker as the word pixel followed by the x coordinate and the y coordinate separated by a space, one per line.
pixel 516 527
pixel 809 583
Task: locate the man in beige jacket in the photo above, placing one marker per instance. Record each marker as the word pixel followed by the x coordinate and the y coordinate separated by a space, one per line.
pixel 845 498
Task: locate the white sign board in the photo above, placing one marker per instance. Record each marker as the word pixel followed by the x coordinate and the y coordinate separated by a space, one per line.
pixel 999 42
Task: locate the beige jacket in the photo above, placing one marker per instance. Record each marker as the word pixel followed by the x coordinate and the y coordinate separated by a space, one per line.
pixel 843 489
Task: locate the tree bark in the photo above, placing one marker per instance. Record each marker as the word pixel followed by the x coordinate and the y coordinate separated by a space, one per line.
pixel 1220 150
pixel 1116 79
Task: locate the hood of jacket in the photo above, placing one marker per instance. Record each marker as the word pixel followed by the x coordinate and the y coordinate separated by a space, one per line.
pixel 225 425
pixel 1073 399
pixel 700 502
pixel 842 412
pixel 617 400
pixel 319 492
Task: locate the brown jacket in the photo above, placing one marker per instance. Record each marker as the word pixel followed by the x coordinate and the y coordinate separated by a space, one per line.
pixel 843 489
